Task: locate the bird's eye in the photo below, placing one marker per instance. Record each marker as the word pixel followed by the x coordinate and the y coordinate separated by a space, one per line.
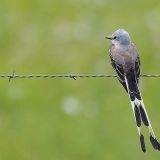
pixel 115 37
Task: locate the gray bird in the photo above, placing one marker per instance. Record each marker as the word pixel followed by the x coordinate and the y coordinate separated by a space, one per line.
pixel 125 61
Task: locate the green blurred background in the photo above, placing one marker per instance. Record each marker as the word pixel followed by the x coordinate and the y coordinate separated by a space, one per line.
pixel 64 119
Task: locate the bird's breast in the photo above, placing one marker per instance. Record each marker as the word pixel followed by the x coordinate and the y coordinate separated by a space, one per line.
pixel 122 56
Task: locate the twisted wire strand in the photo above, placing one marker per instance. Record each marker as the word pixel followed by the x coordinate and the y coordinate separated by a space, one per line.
pixel 72 76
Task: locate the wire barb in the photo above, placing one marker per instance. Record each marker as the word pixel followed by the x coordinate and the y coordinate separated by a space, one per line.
pixel 11 76
pixel 73 77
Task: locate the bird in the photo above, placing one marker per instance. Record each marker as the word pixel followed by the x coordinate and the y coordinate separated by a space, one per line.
pixel 126 63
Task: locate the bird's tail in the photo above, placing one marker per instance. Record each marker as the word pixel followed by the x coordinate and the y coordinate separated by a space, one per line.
pixel 139 111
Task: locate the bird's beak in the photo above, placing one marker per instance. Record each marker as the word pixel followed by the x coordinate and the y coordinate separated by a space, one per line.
pixel 109 37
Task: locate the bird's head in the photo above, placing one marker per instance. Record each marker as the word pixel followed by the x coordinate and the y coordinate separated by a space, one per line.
pixel 120 37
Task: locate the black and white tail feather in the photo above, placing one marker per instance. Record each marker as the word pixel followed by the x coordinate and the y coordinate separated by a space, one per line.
pixel 139 111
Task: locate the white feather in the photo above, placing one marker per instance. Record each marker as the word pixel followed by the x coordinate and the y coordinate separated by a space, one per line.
pixel 150 126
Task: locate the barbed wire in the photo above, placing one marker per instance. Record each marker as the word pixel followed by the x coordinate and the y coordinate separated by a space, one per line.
pixel 72 76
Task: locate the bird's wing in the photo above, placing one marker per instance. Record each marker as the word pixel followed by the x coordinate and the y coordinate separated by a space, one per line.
pixel 119 71
pixel 137 69
pixel 135 62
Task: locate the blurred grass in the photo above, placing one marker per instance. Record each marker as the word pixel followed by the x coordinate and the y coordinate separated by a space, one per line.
pixel 63 119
